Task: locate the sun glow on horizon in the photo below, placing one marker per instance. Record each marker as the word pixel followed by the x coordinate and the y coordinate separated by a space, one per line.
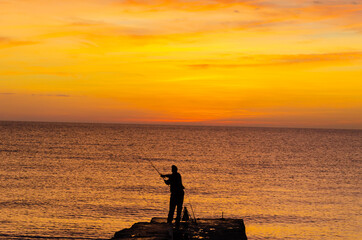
pixel 217 62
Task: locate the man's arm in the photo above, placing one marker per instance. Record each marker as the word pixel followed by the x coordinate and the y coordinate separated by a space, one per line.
pixel 166 175
pixel 167 181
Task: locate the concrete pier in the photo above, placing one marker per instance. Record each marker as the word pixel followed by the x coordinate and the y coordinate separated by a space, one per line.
pixel 158 229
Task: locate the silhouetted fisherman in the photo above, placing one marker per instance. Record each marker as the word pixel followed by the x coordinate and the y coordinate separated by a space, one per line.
pixel 177 194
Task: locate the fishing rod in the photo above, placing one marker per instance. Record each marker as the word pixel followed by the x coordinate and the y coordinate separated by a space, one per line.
pixel 154 167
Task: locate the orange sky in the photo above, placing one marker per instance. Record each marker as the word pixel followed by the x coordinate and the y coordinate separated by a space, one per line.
pixel 219 62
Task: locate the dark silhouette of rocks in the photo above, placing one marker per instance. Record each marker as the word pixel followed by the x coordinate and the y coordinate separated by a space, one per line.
pixel 159 229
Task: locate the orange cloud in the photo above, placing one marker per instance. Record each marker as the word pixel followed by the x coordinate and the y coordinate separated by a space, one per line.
pixel 197 5
pixel 277 60
pixel 8 42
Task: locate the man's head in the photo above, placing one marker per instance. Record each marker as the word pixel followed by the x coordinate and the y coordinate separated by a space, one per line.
pixel 174 169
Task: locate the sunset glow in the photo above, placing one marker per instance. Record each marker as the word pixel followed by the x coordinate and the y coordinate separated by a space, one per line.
pixel 218 62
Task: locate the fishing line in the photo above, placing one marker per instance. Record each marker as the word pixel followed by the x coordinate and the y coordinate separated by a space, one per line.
pixel 153 166
pixel 141 193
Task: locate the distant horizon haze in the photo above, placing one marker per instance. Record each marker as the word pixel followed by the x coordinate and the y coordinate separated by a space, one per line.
pixel 175 123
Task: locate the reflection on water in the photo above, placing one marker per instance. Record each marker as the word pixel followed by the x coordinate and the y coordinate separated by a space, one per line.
pixel 90 180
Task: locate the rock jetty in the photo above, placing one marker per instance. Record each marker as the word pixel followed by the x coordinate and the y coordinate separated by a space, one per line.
pixel 158 229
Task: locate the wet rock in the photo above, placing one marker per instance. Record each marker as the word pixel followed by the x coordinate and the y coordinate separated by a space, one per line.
pixel 146 231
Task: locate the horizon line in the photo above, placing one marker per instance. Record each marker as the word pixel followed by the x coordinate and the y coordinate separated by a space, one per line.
pixel 180 124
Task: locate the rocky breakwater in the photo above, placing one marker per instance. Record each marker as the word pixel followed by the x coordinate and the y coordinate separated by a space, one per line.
pixel 158 229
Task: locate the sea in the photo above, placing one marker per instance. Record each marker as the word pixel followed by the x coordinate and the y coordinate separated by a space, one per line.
pixel 87 181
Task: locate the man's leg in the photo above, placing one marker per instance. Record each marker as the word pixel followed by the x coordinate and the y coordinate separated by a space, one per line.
pixel 172 208
pixel 180 200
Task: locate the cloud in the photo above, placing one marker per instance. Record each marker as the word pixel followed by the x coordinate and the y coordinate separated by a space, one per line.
pixel 187 4
pixel 83 22
pixel 39 94
pixel 253 14
pixel 6 42
pixel 276 60
pixel 50 95
pixel 126 18
pixel 200 5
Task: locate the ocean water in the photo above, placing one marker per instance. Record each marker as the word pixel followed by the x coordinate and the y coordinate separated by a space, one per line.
pixel 87 181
